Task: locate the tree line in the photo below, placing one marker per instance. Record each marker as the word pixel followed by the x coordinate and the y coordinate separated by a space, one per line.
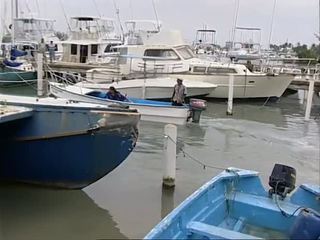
pixel 302 50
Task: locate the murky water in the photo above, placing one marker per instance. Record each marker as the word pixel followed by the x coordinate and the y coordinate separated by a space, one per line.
pixel 130 201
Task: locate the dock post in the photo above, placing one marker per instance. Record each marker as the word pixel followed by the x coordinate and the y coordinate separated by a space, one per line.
pixel 144 79
pixel 230 95
pixel 310 97
pixel 170 155
pixel 40 84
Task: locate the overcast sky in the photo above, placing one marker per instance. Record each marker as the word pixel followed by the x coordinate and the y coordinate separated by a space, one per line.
pixel 295 20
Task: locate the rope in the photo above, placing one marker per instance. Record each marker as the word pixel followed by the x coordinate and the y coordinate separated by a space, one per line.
pixel 186 154
pixel 23 81
pixel 266 101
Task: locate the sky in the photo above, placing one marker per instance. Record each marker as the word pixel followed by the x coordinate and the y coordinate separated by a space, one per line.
pixel 294 20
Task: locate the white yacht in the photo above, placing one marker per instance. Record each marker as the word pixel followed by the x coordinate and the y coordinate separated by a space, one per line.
pixel 166 54
pixel 91 40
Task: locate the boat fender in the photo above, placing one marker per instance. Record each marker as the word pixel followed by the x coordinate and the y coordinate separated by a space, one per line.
pixel 306 225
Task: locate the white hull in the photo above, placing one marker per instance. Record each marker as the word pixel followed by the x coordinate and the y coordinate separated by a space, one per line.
pixel 251 86
pixel 170 114
pixel 153 88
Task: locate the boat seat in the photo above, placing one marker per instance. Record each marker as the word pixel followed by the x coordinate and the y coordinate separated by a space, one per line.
pixel 213 232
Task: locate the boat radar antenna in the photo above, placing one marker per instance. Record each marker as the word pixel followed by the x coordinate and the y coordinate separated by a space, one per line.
pixel 156 15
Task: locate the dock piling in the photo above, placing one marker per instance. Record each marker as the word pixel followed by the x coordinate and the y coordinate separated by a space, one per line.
pixel 40 84
pixel 230 95
pixel 170 152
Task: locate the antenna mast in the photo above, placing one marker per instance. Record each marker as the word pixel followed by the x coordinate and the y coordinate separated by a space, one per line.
pixel 156 14
pixel 272 18
pixel 65 15
pixel 118 17
pixel 236 11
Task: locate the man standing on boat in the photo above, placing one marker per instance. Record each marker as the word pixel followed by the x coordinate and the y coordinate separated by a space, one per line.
pixel 52 49
pixel 179 93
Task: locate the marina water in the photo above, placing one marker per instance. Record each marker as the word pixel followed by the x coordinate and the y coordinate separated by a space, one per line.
pixel 128 202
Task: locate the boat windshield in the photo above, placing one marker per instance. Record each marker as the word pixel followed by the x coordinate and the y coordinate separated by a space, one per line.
pixel 185 52
pixel 168 54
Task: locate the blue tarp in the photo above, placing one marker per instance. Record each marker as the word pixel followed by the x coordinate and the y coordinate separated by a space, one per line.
pixel 17 53
pixel 8 63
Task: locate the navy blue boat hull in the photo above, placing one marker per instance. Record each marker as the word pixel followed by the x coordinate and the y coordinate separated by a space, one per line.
pixel 68 162
pixel 60 153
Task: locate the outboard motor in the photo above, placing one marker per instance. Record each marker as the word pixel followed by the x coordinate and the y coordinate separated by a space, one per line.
pixel 282 180
pixel 197 106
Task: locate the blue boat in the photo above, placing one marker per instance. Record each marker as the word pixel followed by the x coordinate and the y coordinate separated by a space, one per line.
pixel 235 205
pixel 63 144
pixel 155 111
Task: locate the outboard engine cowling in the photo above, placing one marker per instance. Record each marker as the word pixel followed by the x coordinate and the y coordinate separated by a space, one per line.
pixel 197 106
pixel 282 180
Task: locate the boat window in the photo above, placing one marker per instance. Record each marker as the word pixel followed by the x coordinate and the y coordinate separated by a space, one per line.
pixel 199 69
pixel 221 70
pixel 185 52
pixel 164 53
pixel 74 49
pixel 94 49
pixel 109 48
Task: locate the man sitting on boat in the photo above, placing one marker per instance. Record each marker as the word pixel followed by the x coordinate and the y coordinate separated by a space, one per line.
pixel 113 94
pixel 179 93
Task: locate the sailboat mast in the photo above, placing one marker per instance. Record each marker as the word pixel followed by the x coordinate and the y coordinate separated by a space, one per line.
pixel 13 12
pixel 271 26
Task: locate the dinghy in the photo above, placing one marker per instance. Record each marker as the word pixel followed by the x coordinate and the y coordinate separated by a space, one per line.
pixel 154 111
pixel 235 205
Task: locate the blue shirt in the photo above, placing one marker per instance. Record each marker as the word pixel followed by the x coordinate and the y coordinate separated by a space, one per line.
pixel 117 97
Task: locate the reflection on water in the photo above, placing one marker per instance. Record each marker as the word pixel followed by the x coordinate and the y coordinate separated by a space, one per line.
pixel 131 198
pixel 29 90
pixel 167 201
pixel 37 214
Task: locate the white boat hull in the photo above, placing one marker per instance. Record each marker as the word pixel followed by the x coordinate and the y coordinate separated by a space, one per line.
pixel 251 86
pixel 153 88
pixel 170 114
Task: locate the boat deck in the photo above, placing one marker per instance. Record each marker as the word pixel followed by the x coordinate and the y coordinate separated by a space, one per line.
pixel 12 113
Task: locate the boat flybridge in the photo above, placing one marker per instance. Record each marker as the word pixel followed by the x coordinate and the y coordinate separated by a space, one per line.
pixel 91 40
pixel 205 41
pixel 28 32
pixel 246 45
pixel 165 53
pixel 137 30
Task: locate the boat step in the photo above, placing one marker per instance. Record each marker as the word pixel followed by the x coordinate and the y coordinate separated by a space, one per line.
pixel 214 232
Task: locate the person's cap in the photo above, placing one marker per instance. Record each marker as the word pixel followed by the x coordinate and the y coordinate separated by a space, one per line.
pixel 112 88
pixel 179 79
